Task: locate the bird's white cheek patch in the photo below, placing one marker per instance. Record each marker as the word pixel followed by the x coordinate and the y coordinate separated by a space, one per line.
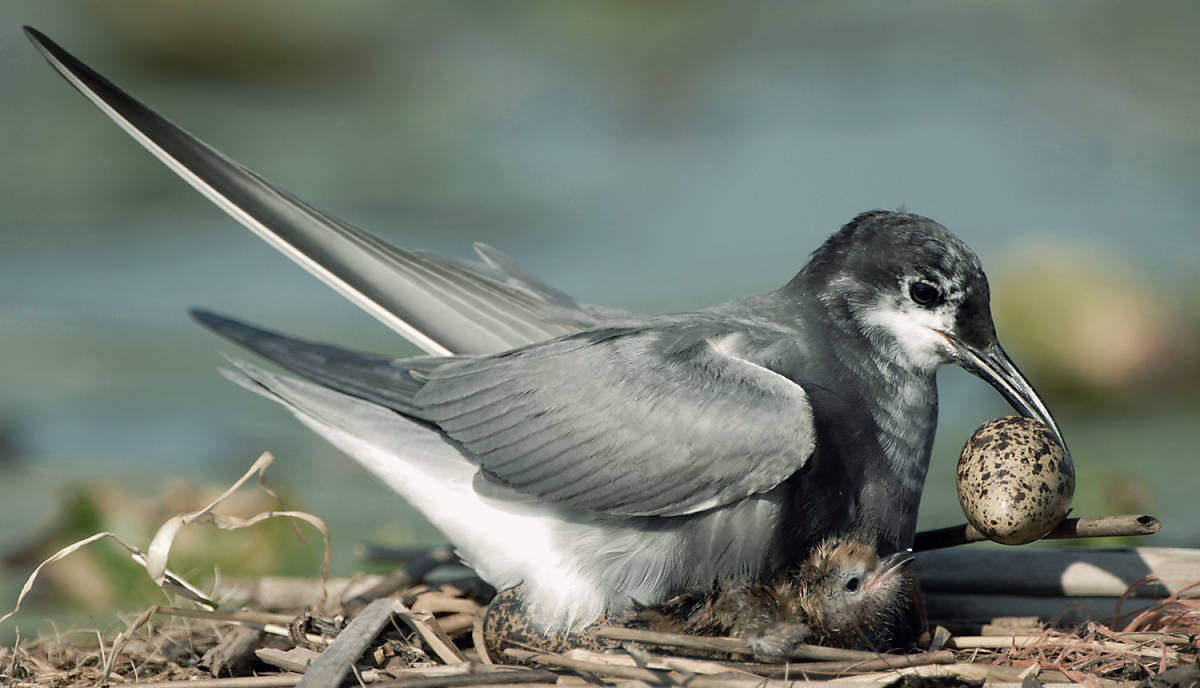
pixel 914 331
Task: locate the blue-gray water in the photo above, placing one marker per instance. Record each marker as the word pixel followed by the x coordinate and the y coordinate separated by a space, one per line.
pixel 657 157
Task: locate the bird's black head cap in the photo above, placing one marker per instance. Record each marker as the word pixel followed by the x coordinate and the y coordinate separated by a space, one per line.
pixel 884 261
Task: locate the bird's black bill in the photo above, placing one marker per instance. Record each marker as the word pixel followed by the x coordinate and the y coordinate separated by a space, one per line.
pixel 993 365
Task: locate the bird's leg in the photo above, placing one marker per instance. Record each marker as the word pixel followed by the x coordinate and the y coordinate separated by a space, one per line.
pixel 775 641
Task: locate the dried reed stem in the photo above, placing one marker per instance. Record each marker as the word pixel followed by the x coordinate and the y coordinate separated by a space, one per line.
pixel 1071 528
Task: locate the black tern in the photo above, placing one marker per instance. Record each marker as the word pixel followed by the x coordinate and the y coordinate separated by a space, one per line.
pixel 601 458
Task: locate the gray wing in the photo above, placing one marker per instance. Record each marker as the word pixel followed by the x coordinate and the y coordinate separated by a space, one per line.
pixel 611 421
pixel 441 305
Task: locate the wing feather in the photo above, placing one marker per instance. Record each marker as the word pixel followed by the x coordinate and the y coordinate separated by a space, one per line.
pixel 442 305
pixel 610 421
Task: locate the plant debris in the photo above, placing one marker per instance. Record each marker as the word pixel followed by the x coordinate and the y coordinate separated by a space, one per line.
pixel 402 630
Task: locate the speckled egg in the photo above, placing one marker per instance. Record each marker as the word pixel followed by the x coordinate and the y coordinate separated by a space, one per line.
pixel 1015 481
pixel 509 623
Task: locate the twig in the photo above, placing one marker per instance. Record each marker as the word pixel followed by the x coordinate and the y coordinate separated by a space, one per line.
pixel 1154 637
pixel 439 602
pixel 275 624
pixel 879 663
pixel 476 678
pixel 1082 572
pixel 690 680
pixel 644 660
pixel 233 652
pixel 687 642
pixel 122 640
pixel 297 659
pixel 382 553
pixel 280 681
pixel 431 632
pixel 457 624
pixel 480 641
pixel 730 645
pixel 1071 528
pixel 633 673
pixel 230 615
pixel 334 663
pixel 285 592
pixel 414 573
pixel 990 642
pixel 963 611
pixel 985 672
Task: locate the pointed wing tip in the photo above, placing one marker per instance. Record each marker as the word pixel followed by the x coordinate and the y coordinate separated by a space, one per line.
pixel 207 318
pixel 48 48
pixel 200 314
pixel 79 75
pixel 229 328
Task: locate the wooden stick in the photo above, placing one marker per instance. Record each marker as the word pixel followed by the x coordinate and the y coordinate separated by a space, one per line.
pixel 454 624
pixel 297 659
pixel 991 673
pixel 1071 528
pixel 688 642
pixel 602 669
pixel 954 608
pixel 1166 638
pixel 334 663
pixel 286 593
pixel 431 632
pixel 383 553
pixel 991 642
pixel 731 645
pixel 439 602
pixel 645 660
pixel 879 663
pixel 275 624
pixel 278 681
pixel 230 615
pixel 234 651
pixel 480 642
pixel 415 572
pixel 1059 573
pixel 658 678
pixel 475 678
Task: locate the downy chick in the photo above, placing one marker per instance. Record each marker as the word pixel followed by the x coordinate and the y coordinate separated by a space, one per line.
pixel 842 594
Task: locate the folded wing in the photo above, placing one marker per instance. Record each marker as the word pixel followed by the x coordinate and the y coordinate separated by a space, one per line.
pixel 606 421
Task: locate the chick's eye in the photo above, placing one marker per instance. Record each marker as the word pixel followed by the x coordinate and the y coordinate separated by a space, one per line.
pixel 924 293
pixel 852 585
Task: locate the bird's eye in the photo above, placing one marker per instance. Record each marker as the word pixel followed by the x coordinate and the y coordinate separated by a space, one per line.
pixel 852 585
pixel 924 293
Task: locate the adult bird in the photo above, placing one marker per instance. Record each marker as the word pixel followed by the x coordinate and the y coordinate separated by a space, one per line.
pixel 617 464
pixel 602 458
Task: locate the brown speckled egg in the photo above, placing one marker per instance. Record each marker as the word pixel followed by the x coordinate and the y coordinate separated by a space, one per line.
pixel 1015 481
pixel 509 623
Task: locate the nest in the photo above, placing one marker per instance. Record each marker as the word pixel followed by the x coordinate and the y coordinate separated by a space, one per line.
pixel 403 629
pixel 429 635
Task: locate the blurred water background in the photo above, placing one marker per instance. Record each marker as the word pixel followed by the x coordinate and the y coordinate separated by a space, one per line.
pixel 652 156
